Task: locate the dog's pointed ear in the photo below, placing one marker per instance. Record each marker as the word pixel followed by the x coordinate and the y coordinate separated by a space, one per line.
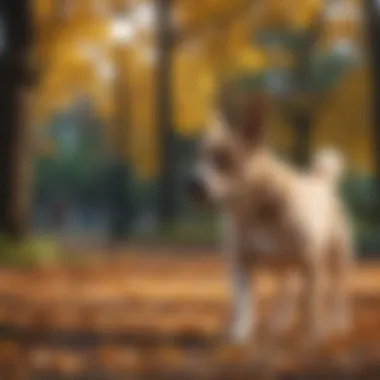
pixel 242 112
pixel 252 126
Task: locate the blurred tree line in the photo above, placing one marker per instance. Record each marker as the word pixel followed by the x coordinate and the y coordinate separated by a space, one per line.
pixel 151 70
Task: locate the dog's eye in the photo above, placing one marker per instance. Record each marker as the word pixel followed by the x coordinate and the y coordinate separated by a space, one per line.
pixel 222 159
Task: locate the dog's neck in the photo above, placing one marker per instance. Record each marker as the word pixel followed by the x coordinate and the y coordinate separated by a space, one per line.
pixel 262 190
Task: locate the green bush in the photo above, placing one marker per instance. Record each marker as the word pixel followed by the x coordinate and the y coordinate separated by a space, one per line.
pixel 31 252
pixel 360 196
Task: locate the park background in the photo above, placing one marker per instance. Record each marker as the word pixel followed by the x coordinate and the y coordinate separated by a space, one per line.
pixel 118 93
pixel 104 260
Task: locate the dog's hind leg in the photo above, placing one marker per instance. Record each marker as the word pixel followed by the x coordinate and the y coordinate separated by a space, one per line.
pixel 339 266
pixel 315 297
pixel 285 303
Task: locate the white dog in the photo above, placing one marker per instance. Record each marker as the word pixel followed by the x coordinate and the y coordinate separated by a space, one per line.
pixel 277 217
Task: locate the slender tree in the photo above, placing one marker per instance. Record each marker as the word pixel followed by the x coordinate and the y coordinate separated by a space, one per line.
pixel 372 23
pixel 301 118
pixel 16 38
pixel 122 209
pixel 167 173
pixel 308 81
pixel 168 40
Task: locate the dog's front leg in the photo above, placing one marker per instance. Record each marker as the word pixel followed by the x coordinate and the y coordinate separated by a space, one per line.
pixel 242 322
pixel 242 318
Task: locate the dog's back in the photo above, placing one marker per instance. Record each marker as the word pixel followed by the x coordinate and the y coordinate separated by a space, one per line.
pixel 306 217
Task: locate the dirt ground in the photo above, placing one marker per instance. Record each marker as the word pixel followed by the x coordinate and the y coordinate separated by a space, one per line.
pixel 164 318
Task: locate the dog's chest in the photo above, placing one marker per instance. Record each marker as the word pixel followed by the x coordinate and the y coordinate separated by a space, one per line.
pixel 262 240
pixel 264 230
pixel 271 245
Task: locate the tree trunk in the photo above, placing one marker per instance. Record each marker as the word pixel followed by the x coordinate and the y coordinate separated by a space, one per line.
pixel 302 115
pixel 302 127
pixel 16 29
pixel 372 22
pixel 122 211
pixel 167 172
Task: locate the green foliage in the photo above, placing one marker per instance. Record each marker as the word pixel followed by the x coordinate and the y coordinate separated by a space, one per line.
pixel 325 71
pixel 33 252
pixel 293 40
pixel 360 196
pixel 81 171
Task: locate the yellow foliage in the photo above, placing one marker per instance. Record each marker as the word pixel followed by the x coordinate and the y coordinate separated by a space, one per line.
pixel 345 120
pixel 193 87
pixel 143 139
pixel 251 60
pixel 305 14
pixel 42 11
pixel 225 49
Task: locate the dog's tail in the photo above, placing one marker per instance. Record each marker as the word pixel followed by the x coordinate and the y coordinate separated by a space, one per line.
pixel 329 165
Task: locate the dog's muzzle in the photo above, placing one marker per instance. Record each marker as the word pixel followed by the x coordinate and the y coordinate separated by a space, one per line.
pixel 196 190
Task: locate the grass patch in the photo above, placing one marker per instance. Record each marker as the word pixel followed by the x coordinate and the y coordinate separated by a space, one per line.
pixel 33 252
pixel 188 232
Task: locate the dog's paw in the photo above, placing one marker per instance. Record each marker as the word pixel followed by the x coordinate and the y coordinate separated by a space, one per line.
pixel 281 323
pixel 342 323
pixel 239 334
pixel 317 334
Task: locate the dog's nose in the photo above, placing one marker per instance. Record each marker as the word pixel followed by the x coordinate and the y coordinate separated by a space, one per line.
pixel 196 189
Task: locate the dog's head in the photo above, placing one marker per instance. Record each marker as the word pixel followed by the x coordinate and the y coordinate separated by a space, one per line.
pixel 228 142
